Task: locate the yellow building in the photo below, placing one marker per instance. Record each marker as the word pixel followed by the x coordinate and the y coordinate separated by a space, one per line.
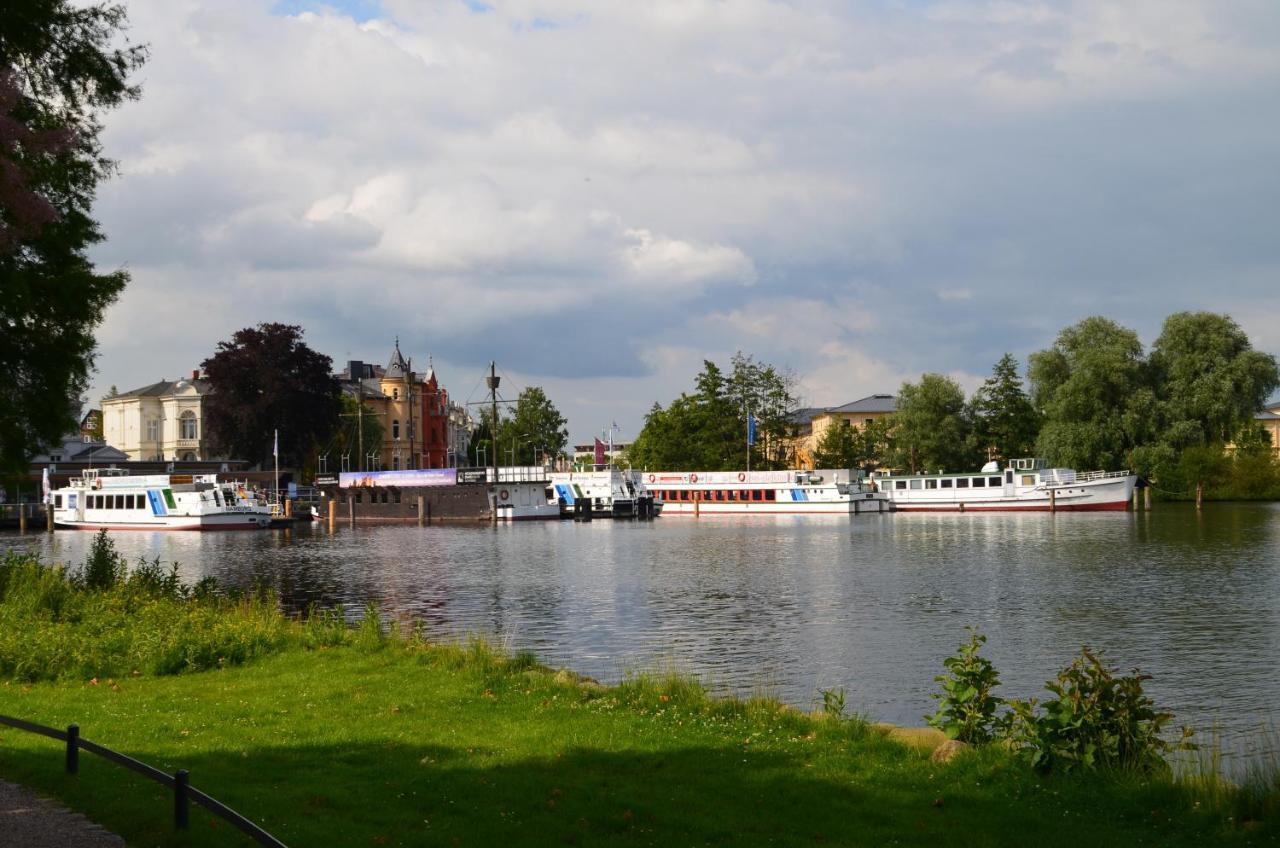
pixel 1269 418
pixel 412 409
pixel 813 422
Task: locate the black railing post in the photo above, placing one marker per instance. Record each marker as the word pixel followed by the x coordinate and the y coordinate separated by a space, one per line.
pixel 73 749
pixel 181 780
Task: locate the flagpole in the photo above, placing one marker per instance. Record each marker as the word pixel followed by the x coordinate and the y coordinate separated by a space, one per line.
pixel 275 450
pixel 749 441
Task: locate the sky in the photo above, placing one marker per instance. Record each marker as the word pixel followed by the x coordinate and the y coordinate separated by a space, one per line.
pixel 600 195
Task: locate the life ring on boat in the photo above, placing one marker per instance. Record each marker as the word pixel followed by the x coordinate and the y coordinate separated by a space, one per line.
pixel 693 478
pixel 742 476
pixel 97 484
pixel 504 494
pixel 652 478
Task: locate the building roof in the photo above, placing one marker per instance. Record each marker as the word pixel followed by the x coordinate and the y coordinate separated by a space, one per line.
pixel 74 448
pixel 1266 415
pixel 805 414
pixel 162 388
pixel 870 403
pixel 397 366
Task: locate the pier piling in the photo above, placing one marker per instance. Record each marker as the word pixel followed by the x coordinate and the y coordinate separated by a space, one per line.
pixel 22 518
pixel 422 510
pixel 351 509
pixel 1053 500
pixel 1146 497
pixel 1135 499
pixel 48 517
pixel 333 513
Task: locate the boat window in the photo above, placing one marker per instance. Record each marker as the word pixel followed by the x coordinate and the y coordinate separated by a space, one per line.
pixel 1008 477
pixel 962 483
pixel 946 484
pixel 931 484
pixel 917 484
pixel 993 481
pixel 168 499
pixel 1028 479
pixel 979 482
pixel 899 484
pixel 57 501
pixel 771 494
pixel 733 495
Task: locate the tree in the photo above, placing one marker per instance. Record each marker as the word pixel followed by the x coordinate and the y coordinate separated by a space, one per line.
pixel 931 427
pixel 1094 392
pixel 839 447
pixel 266 379
pixel 707 430
pixel 535 428
pixel 58 74
pixel 1211 380
pixel 1004 421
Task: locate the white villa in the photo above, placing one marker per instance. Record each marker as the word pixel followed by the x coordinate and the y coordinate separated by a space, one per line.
pixel 162 421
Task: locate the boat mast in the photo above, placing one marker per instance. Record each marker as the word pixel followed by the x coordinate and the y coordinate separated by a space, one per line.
pixel 492 380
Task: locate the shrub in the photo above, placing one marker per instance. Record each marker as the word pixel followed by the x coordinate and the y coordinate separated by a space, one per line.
pixel 966 705
pixel 1096 719
pixel 104 568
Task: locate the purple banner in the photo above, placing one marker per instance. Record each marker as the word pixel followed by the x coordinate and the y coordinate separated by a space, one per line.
pixel 401 479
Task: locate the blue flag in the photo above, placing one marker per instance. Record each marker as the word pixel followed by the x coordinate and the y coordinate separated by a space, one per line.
pixel 751 429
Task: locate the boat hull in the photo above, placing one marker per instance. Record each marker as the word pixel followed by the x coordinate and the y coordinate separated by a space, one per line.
pixel 1107 495
pixel 192 524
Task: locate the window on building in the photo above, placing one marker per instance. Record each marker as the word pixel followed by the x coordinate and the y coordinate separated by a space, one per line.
pixel 395 394
pixel 866 422
pixel 153 430
pixel 395 430
pixel 187 425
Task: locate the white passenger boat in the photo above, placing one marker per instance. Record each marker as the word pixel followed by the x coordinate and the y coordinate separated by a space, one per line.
pixel 112 499
pixel 1027 484
pixel 608 493
pixel 523 493
pixel 832 492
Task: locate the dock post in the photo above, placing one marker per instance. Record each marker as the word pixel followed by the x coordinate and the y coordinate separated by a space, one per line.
pixel 288 507
pixel 351 509
pixel 22 517
pixel 856 507
pixel 1146 497
pixel 48 517
pixel 333 513
pixel 1053 500
pixel 697 502
pixel 422 510
pixel 1135 499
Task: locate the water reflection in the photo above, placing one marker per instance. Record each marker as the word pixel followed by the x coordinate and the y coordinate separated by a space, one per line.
pixel 793 604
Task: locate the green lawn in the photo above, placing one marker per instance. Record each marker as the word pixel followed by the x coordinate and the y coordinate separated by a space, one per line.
pixel 408 745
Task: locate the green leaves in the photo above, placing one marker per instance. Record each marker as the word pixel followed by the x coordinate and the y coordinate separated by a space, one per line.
pixel 932 429
pixel 966 705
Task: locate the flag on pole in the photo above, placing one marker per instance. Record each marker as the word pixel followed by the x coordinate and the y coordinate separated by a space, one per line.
pixel 751 429
pixel 600 446
pixel 48 489
pixel 275 444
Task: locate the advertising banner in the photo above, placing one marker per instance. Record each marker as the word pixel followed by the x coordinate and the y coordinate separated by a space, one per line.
pixel 400 479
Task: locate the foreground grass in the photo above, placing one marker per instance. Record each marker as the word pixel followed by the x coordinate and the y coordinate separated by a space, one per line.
pixel 408 745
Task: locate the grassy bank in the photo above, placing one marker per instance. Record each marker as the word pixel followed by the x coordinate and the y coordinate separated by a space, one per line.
pixel 336 737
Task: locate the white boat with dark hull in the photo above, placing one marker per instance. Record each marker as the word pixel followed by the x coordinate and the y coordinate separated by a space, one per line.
pixel 523 493
pixel 820 492
pixel 112 499
pixel 608 493
pixel 1026 484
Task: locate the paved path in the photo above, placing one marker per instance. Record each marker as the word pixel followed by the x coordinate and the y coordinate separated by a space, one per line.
pixel 29 821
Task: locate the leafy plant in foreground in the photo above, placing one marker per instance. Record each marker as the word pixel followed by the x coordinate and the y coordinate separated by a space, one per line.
pixel 1096 719
pixel 966 705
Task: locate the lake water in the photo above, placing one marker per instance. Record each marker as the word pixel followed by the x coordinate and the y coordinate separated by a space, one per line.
pixel 789 605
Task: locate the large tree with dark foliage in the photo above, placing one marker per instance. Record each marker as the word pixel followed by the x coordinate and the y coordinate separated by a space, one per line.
pixel 266 379
pixel 58 73
pixel 931 428
pixel 535 429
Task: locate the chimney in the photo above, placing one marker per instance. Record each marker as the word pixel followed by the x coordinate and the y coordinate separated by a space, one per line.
pixel 195 375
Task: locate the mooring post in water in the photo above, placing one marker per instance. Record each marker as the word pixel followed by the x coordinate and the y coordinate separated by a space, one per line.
pixel 1146 497
pixel 1135 499
pixel 333 513
pixel 1053 500
pixel 1199 495
pixel 351 509
pixel 422 510
pixel 48 517
pixel 288 507
pixel 697 502
pixel 22 518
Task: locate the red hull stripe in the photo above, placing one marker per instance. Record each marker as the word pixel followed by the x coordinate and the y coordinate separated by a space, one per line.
pixel 188 528
pixel 1117 506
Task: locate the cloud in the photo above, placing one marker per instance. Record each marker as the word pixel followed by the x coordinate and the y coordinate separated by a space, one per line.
pixel 604 194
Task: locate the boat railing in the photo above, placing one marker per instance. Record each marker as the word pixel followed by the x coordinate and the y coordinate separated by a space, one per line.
pixel 1088 476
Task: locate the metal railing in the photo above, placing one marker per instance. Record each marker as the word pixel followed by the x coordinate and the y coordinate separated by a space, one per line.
pixel 180 781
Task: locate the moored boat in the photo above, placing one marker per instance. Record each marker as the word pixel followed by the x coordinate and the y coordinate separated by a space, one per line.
pixel 1026 484
pixel 607 493
pixel 823 491
pixel 112 499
